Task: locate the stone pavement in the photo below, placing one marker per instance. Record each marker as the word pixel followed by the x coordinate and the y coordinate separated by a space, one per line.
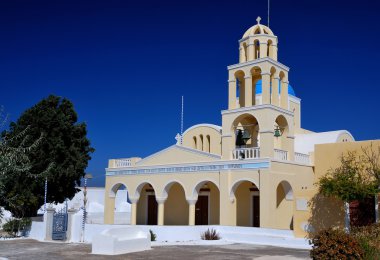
pixel 32 249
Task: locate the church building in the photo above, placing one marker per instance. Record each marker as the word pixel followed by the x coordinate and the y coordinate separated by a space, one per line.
pixel 257 169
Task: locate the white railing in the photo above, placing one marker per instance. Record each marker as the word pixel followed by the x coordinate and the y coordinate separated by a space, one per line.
pixel 280 155
pixel 302 158
pixel 246 153
pixel 123 163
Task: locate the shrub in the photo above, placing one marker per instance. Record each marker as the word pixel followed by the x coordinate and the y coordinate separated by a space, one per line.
pixel 14 226
pixel 335 244
pixel 369 239
pixel 210 235
pixel 152 235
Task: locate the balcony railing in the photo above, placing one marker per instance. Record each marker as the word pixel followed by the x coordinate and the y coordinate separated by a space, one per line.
pixel 123 163
pixel 302 158
pixel 246 153
pixel 280 155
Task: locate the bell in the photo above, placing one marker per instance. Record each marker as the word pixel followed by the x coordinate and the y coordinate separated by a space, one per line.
pixel 246 136
pixel 277 132
pixel 239 138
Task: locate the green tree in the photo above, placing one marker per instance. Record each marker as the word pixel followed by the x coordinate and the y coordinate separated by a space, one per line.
pixel 62 156
pixel 14 162
pixel 355 179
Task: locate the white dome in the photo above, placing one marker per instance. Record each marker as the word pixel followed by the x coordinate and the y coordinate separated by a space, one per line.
pixel 258 29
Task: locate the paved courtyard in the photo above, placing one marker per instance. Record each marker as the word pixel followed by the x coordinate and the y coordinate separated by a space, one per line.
pixel 31 249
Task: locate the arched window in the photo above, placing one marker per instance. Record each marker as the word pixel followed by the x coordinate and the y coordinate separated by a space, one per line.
pixel 201 143
pixel 208 148
pixel 257 49
pixel 194 142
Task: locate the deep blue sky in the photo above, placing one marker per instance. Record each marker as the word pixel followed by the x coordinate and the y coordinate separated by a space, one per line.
pixel 125 64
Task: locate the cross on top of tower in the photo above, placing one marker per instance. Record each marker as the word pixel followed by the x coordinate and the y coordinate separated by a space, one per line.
pixel 258 19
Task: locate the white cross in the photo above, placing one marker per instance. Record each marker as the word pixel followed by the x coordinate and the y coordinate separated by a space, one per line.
pixel 258 19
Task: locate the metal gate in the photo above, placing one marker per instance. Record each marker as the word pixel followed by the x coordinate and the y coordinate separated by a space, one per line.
pixel 60 224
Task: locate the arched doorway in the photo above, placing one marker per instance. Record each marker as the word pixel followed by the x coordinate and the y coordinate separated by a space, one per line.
pixel 176 207
pixel 247 196
pixel 122 206
pixel 284 206
pixel 207 207
pixel 147 209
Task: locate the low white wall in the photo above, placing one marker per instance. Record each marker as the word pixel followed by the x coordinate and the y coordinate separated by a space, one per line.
pixel 37 231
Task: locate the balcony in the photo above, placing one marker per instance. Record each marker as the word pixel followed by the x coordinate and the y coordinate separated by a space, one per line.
pixel 246 153
pixel 281 155
pixel 302 158
pixel 123 162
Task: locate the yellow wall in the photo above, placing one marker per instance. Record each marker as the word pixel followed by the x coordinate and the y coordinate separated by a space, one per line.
pixel 215 139
pixel 176 207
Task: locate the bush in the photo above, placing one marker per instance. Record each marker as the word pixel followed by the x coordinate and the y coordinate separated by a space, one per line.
pixel 210 235
pixel 152 235
pixel 369 239
pixel 14 226
pixel 335 244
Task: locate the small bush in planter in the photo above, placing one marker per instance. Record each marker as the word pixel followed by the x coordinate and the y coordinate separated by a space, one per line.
pixel 335 244
pixel 210 234
pixel 152 235
pixel 14 226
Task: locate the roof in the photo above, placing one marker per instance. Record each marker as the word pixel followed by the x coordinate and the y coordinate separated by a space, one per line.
pixel 216 127
pixel 258 29
pixel 304 143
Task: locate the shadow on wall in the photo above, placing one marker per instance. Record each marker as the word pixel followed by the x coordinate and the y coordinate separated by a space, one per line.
pixel 325 213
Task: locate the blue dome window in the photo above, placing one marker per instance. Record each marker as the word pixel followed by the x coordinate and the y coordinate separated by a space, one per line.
pixel 259 88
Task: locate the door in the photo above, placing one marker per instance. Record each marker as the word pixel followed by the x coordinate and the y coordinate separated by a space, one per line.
pixel 201 211
pixel 152 210
pixel 256 211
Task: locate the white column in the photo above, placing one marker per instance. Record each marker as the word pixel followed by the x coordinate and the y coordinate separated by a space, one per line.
pixel 232 94
pixel 192 203
pixel 49 223
pixel 265 96
pixel 161 211
pixel 133 210
pixel 248 91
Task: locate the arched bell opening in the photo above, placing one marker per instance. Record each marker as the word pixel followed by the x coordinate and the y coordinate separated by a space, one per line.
pixel 246 131
pixel 240 88
pixel 284 206
pixel 281 142
pixel 256 49
pixel 256 76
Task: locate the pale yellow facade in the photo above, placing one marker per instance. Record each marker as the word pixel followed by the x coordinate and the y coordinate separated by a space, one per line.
pixel 257 169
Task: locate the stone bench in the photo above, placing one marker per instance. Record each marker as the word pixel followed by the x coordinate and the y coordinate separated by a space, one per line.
pixel 116 241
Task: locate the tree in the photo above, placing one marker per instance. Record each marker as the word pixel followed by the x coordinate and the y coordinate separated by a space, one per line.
pixel 14 162
pixel 62 157
pixel 355 179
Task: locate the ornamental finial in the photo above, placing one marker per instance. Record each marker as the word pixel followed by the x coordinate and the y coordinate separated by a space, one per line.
pixel 258 19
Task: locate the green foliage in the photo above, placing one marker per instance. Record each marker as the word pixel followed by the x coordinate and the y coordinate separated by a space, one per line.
pixel 350 181
pixel 61 157
pixel 15 164
pixel 153 236
pixel 210 234
pixel 15 226
pixel 335 244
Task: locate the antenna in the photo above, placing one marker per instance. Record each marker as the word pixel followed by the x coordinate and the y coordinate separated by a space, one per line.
pixel 182 121
pixel 268 11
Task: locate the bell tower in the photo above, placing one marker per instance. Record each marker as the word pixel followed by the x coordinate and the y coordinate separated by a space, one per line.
pixel 258 100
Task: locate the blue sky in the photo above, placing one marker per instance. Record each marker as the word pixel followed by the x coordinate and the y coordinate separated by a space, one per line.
pixel 125 64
